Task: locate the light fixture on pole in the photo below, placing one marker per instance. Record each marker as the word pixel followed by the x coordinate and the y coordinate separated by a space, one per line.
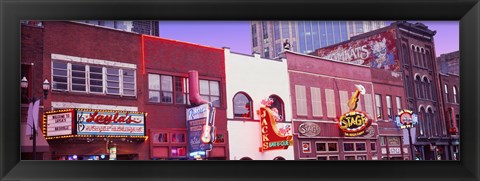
pixel 46 88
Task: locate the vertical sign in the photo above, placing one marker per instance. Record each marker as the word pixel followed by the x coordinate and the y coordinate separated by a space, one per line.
pixel 197 119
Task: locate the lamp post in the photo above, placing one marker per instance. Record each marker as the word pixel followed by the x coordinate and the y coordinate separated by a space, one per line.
pixel 46 88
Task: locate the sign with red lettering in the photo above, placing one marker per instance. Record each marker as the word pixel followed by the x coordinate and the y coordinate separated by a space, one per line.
pixel 96 122
pixel 272 138
pixel 376 51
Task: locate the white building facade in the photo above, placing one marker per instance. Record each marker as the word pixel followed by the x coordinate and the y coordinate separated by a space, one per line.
pixel 251 79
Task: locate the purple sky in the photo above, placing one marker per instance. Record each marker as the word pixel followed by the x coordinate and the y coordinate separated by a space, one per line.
pixel 236 34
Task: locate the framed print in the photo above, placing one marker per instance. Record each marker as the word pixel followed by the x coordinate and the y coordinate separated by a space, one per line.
pixel 95 92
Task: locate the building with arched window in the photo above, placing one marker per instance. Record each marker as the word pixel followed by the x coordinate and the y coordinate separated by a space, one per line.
pixel 450 84
pixel 252 80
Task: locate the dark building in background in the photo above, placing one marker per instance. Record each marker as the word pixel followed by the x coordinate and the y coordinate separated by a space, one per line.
pixel 142 27
pixel 407 50
pixel 449 63
pixel 450 91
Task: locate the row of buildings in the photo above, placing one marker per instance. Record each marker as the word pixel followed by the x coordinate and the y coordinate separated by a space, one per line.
pixel 96 70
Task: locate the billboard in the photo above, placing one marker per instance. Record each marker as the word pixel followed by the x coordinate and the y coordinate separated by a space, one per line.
pixel 377 51
pixel 200 130
pixel 105 123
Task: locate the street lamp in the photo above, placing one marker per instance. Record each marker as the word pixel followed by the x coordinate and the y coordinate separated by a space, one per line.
pixel 46 88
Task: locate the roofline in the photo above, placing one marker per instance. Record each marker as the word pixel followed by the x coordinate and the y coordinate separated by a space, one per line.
pixel 184 42
pixel 325 59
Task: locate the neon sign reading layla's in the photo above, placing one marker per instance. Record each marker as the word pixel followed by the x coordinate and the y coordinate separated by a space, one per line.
pixel 271 138
pixel 107 119
pixel 354 123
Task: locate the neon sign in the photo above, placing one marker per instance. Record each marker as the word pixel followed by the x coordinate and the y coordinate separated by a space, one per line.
pixel 271 138
pixel 354 123
pixel 406 119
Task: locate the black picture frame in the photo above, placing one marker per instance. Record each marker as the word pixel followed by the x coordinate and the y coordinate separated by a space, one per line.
pixel 12 168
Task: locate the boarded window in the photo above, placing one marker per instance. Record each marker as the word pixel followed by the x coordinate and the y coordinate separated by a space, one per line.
pixel 316 97
pixel 330 99
pixel 368 105
pixel 301 100
pixel 343 101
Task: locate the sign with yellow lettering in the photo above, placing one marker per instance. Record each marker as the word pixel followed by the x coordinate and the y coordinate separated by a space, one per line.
pixel 354 123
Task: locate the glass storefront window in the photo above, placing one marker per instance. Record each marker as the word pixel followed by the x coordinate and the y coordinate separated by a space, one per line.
pixel 348 147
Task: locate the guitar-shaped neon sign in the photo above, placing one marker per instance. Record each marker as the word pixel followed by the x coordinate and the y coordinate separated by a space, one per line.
pixel 208 134
pixel 352 103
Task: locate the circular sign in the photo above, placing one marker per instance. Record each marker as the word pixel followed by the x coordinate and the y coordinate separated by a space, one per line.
pixel 309 129
pixel 354 123
pixel 370 132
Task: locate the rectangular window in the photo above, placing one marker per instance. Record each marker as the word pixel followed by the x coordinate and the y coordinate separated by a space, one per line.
pixel 93 79
pixel 349 157
pixel 161 138
pixel 373 146
pixel 330 100
pixel 113 81
pixel 166 89
pixel 316 97
pixel 181 90
pixel 60 76
pixel 128 77
pixel 382 141
pixel 393 141
pixel 343 101
pixel 378 104
pixel 368 104
pixel 333 158
pixel 178 138
pixel 219 138
pixel 360 147
pixel 96 79
pixel 389 107
pixel 348 147
pixel 322 158
pixel 78 78
pixel 399 104
pixel 178 151
pixel 332 147
pixel 210 91
pixel 301 100
pixel 153 88
pixel 321 147
pixel 362 157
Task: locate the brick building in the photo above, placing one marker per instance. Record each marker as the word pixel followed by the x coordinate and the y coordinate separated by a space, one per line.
pixel 450 84
pixel 109 71
pixel 408 50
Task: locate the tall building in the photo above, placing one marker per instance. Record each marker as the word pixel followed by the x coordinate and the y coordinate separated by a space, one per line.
pixel 304 36
pixel 449 63
pixel 142 27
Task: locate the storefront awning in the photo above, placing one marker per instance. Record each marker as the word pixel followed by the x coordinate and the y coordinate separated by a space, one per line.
pixel 27 143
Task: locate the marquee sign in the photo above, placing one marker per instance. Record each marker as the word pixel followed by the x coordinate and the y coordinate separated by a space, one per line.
pixel 271 137
pixel 406 119
pixel 354 123
pixel 99 122
pixel 59 123
pixel 376 51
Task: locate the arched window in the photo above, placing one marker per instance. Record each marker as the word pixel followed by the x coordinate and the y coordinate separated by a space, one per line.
pixel 278 106
pixel 242 106
pixel 422 121
pixel 417 56
pixel 246 158
pixel 429 61
pixel 455 98
pixel 427 89
pixel 434 128
pixel 408 84
pixel 405 58
pixel 418 87
pixel 447 98
pixel 279 158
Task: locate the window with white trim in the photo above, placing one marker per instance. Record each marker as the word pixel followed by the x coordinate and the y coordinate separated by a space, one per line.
pixel 378 104
pixel 301 100
pixel 389 107
pixel 161 89
pixel 93 78
pixel 398 100
pixel 316 97
pixel 330 100
pixel 455 99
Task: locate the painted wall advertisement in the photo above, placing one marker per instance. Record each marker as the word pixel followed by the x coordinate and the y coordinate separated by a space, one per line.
pixel 377 51
pixel 197 131
pixel 122 123
pixel 58 124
